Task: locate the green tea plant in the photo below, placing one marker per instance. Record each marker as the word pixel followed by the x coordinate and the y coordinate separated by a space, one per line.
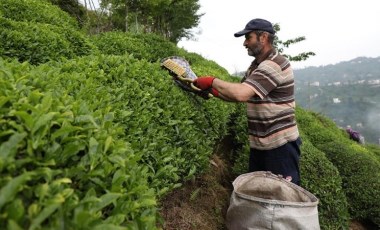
pixel 358 167
pixel 64 164
pixel 40 43
pixel 321 177
pixel 36 11
pixel 113 130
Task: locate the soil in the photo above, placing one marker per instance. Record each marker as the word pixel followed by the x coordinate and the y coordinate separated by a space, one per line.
pixel 203 202
pixel 199 204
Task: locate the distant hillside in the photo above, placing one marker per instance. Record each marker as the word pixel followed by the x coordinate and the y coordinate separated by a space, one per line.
pixel 347 92
pixel 361 68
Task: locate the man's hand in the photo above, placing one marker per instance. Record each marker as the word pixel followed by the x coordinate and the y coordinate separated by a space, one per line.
pixel 205 94
pixel 214 92
pixel 204 83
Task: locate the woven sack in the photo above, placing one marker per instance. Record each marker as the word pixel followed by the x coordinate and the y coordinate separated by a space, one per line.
pixel 262 200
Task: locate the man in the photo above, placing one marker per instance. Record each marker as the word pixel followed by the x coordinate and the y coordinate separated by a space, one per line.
pixel 268 90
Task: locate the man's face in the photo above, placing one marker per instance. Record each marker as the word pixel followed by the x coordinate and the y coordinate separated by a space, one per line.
pixel 253 45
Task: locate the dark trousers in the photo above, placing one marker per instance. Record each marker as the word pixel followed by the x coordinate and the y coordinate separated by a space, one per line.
pixel 283 160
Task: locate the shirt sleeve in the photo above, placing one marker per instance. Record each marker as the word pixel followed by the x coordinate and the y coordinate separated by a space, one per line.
pixel 265 78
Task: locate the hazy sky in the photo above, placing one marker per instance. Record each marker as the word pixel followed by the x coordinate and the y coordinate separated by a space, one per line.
pixel 336 30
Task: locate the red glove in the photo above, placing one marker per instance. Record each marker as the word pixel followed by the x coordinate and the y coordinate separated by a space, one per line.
pixel 205 94
pixel 204 82
pixel 214 92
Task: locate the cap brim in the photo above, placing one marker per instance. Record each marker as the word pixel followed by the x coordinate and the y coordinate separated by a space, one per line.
pixel 241 33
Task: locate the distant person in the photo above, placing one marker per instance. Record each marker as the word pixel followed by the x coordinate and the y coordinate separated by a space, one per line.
pixel 268 90
pixel 355 135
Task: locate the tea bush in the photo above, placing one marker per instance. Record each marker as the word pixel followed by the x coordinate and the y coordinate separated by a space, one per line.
pixel 153 48
pixel 321 177
pixel 105 128
pixel 40 43
pixel 64 162
pixel 36 11
pixel 120 43
pixel 358 167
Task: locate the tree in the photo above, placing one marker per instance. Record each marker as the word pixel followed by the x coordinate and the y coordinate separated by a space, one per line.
pixel 178 18
pixel 282 45
pixel 73 8
pixel 172 19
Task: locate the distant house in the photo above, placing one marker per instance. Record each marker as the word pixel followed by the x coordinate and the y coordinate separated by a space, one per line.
pixel 337 83
pixel 374 82
pixel 316 83
pixel 336 100
pixel 313 96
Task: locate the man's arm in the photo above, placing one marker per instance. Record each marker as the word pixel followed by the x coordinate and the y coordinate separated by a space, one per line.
pixel 232 91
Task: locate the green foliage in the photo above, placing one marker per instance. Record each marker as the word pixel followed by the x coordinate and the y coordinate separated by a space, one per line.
pixel 39 43
pixel 321 177
pixel 169 18
pixel 73 8
pixel 238 130
pixel 375 149
pixel 149 46
pixel 157 46
pixel 36 11
pixel 156 113
pixel 110 123
pixel 283 45
pixel 355 165
pixel 202 66
pixel 63 158
pixel 358 167
pixel 37 31
pixel 185 18
pixel 153 48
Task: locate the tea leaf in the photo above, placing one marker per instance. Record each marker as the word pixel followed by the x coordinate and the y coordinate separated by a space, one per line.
pixel 16 210
pixel 65 130
pixel 9 191
pixel 109 227
pixel 43 120
pixel 45 213
pixel 12 225
pixel 4 100
pixel 105 200
pixel 9 148
pixel 26 117
pixel 70 150
pixel 107 144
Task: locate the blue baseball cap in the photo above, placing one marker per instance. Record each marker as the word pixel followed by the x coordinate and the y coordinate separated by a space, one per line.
pixel 256 24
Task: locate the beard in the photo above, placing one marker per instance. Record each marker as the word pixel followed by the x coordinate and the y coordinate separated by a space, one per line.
pixel 255 50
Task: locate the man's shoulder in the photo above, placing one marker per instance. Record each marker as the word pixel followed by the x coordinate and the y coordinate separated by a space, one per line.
pixel 277 60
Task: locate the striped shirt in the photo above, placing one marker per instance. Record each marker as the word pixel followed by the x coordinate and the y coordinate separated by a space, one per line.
pixel 271 111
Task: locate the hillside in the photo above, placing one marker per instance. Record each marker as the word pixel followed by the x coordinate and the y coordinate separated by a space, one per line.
pixel 347 92
pixel 96 135
pixel 352 71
